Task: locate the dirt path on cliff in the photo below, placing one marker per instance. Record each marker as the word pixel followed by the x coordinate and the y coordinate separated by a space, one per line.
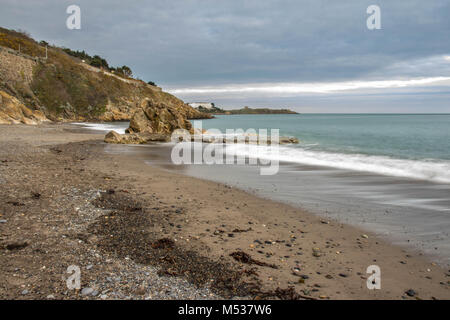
pixel 140 232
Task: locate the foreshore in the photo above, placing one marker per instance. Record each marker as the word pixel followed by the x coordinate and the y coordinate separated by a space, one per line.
pixel 140 232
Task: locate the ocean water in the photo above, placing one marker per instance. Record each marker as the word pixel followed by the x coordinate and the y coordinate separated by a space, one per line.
pixel 413 146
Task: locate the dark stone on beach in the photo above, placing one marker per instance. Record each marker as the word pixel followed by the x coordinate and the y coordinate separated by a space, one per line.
pixel 36 195
pixel 16 246
pixel 343 275
pixel 411 292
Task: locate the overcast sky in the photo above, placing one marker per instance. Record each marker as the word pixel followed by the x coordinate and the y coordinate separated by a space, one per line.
pixel 309 55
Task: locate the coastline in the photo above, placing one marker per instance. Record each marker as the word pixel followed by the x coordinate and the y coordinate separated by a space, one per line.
pixel 209 219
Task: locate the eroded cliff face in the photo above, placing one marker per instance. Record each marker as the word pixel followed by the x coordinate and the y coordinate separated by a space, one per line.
pixel 63 88
pixel 12 111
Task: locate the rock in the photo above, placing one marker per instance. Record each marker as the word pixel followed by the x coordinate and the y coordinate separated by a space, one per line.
pixel 89 267
pixel 153 117
pixel 135 138
pixel 50 297
pixel 87 291
pixel 25 292
pixel 296 272
pixel 13 111
pixel 288 140
pixel 411 292
pixel 113 137
pixel 3 221
pixel 365 236
pixel 343 275
pixel 316 252
pixel 141 290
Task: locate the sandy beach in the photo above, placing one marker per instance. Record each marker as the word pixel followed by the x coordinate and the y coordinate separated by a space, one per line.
pixel 140 232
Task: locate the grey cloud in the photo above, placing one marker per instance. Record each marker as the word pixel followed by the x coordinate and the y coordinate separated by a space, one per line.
pixel 195 42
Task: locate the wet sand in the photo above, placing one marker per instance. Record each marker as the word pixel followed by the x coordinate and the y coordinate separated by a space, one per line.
pixel 205 221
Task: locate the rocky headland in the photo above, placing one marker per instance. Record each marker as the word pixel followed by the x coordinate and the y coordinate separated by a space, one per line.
pixel 38 86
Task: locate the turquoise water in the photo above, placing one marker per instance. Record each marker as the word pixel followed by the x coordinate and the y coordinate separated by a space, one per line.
pixel 414 146
pixel 399 136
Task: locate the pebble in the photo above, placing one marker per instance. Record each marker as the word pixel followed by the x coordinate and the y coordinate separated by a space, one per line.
pixel 50 297
pixel 410 292
pixel 316 252
pixel 24 292
pixel 3 221
pixel 87 291
pixel 89 267
pixel 365 236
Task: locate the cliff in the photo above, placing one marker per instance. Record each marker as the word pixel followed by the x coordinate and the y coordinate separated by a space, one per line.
pixel 61 87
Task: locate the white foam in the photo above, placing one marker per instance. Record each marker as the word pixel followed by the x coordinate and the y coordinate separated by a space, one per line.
pixel 119 127
pixel 431 170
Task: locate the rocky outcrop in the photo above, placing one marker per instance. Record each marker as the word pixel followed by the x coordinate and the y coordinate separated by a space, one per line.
pixel 135 138
pixel 157 117
pixel 12 111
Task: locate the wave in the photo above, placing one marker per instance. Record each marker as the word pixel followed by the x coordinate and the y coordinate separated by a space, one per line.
pixel 119 127
pixel 429 169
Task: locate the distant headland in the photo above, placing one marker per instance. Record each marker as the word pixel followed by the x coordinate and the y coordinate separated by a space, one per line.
pixel 208 107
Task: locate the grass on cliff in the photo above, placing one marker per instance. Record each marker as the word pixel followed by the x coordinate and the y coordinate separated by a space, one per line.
pixel 20 40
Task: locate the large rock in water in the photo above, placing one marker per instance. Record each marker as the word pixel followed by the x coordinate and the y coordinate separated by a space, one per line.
pixel 153 117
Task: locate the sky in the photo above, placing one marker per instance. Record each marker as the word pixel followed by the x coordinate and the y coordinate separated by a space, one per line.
pixel 307 55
